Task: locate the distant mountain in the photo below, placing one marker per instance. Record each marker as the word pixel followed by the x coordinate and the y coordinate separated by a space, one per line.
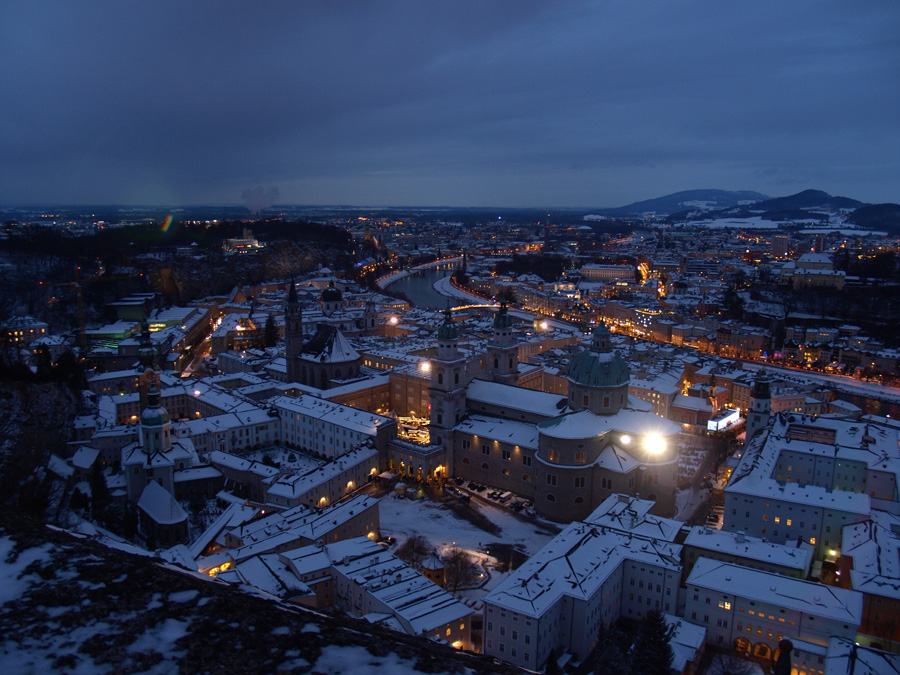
pixel 688 200
pixel 803 206
pixel 877 216
pixel 808 199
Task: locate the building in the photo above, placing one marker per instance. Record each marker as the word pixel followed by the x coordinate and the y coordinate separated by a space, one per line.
pixel 751 610
pixel 620 561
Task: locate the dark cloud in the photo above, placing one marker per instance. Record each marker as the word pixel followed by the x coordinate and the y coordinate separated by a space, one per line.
pixel 512 103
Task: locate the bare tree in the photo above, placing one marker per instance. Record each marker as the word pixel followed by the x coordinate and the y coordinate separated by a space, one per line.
pixel 459 568
pixel 414 549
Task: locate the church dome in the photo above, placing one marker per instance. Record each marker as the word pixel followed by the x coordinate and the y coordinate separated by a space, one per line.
pixel 599 365
pixel 502 320
pixel 448 331
pixel 154 415
pixel 332 294
pixel 599 369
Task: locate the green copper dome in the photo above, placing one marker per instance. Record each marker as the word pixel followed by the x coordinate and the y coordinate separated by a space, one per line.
pixel 448 331
pixel 502 319
pixel 332 294
pixel 599 365
pixel 154 415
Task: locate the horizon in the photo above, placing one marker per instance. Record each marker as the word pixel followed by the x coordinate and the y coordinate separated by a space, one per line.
pixel 388 207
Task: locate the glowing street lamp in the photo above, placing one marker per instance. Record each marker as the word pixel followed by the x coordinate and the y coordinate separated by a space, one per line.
pixel 654 444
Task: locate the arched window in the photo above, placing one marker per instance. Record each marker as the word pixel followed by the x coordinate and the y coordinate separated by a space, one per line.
pixel 485 466
pixel 579 500
pixel 465 460
pixel 440 378
pixel 496 364
pixel 551 498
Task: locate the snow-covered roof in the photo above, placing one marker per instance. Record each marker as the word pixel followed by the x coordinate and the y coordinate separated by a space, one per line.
pixel 813 598
pixel 505 431
pixel 586 424
pixel 742 546
pixel 874 546
pixel 575 564
pixel 629 514
pixel 331 412
pixel 159 504
pixel 514 398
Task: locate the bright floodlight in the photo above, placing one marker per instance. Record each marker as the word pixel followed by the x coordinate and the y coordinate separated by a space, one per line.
pixel 544 325
pixel 655 444
pixel 425 366
pixel 625 438
pixel 394 320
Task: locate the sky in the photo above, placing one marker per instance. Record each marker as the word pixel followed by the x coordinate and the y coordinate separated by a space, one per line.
pixel 518 104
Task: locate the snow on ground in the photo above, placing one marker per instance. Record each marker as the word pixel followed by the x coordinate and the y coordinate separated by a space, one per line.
pixel 358 661
pixel 401 518
pixel 838 382
pixel 444 287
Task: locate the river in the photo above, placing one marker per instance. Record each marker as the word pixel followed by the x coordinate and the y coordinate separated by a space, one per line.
pixel 418 286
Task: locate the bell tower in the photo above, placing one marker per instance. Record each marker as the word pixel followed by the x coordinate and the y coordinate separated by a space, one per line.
pixel 447 393
pixel 502 352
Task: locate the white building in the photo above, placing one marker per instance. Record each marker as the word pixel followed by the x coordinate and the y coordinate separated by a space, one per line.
pixel 327 428
pixel 619 562
pixel 752 610
pixel 370 583
pixel 809 477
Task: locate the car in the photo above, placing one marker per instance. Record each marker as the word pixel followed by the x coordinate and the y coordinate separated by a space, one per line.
pixel 390 541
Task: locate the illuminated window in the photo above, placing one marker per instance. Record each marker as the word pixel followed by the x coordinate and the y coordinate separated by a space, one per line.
pixel 788 522
pixel 724 604
pixel 554 456
pixel 579 458
pixel 812 541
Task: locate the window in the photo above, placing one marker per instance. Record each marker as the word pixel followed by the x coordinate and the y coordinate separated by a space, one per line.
pixel 506 455
pixel 526 477
pixel 551 498
pixel 606 483
pixel 466 444
pixel 554 456
pixel 485 466
pixel 579 458
pixel 465 460
pixel 551 479
pixel 579 481
pixel 724 604
pixel 579 500
pixel 485 449
pixel 526 460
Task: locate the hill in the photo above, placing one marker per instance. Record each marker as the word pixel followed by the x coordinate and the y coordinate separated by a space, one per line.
pixel 878 216
pixel 70 604
pixel 687 200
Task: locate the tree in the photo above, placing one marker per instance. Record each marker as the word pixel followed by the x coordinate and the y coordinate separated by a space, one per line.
pixel 414 549
pixel 99 490
pixel 270 333
pixel 458 569
pixel 609 655
pixel 652 653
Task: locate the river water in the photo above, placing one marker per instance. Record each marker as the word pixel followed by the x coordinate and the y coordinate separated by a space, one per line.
pixel 418 286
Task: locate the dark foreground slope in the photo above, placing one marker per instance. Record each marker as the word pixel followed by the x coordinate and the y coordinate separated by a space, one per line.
pixel 72 605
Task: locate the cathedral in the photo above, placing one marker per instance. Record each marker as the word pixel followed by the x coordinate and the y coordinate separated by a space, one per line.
pixel 327 357
pixel 569 453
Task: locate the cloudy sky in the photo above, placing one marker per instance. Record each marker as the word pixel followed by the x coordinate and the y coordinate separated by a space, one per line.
pixel 446 103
